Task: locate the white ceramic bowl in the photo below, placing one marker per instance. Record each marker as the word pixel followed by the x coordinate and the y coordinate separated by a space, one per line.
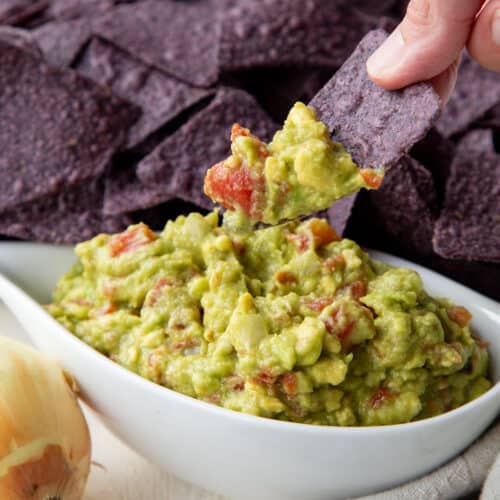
pixel 237 455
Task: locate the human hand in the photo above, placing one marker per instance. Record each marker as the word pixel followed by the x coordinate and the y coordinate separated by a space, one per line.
pixel 428 43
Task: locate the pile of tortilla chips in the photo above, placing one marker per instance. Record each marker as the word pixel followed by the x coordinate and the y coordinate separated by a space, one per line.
pixel 112 111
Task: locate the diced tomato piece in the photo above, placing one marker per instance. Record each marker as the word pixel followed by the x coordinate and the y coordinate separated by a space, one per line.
pixel 332 319
pixel 234 188
pixel 238 131
pixel 108 308
pixel 301 241
pixel 157 290
pixel 381 396
pixel 460 315
pixel 322 232
pixel 133 238
pixel 358 289
pixel 184 344
pixel 343 335
pixel 289 382
pixel 338 324
pixel 265 376
pixel 318 304
pixel 334 263
pixel 236 382
pixel 372 178
pixel 286 278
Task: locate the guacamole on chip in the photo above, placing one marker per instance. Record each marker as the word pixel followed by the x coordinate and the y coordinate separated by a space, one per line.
pixel 300 172
pixel 288 322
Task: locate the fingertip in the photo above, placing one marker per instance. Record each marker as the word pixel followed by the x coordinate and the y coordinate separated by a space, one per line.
pixel 484 42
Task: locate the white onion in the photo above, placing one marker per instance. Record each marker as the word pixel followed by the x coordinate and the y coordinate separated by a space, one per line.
pixel 44 439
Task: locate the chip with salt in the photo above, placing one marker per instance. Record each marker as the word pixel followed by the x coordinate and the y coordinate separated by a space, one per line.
pixel 58 128
pixel 69 217
pixel 180 162
pixel 377 126
pixel 61 41
pixel 290 33
pixel 469 225
pixel 126 193
pixel 179 38
pixel 399 215
pixel 340 212
pixel 477 90
pixel 160 97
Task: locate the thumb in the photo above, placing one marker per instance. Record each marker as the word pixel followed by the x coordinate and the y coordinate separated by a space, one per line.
pixel 426 43
pixel 484 42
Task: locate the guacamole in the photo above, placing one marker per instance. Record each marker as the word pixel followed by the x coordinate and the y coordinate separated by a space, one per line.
pixel 288 322
pixel 300 172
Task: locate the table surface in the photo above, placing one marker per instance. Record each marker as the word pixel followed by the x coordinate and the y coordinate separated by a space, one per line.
pixel 117 472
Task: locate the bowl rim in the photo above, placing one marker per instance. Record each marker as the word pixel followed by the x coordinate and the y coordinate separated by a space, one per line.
pixel 283 425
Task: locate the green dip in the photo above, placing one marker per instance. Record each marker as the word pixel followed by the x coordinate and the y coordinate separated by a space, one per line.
pixel 288 322
pixel 300 172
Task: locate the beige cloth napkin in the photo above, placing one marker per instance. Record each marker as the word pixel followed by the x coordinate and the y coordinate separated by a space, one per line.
pixel 478 467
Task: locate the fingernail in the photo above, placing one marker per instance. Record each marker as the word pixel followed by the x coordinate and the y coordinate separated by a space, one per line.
pixel 495 28
pixel 387 56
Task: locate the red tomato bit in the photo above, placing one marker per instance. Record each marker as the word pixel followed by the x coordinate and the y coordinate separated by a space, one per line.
pixel 265 376
pixel 358 289
pixel 106 309
pixel 289 382
pixel 334 263
pixel 373 179
pixel 318 304
pixel 235 188
pixel 322 232
pixel 236 382
pixel 381 396
pixel 286 278
pixel 133 238
pixel 301 241
pixel 459 315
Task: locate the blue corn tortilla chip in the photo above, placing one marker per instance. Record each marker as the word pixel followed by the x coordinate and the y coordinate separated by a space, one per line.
pixel 378 8
pixel 290 33
pixel 70 9
pixel 160 97
pixel 16 12
pixel 477 90
pixel 377 126
pixel 340 212
pixel 469 224
pixel 59 128
pixel 61 41
pixel 180 162
pixel 124 192
pixel 400 215
pixel 67 218
pixel 179 38
pixel 491 119
pixel 436 153
pixel 20 38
